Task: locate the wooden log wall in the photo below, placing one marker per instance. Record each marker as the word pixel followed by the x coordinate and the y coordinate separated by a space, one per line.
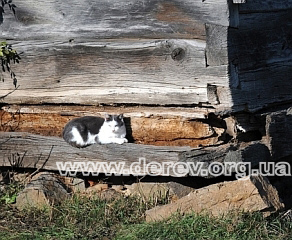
pixel 202 53
pixel 185 73
pixel 137 52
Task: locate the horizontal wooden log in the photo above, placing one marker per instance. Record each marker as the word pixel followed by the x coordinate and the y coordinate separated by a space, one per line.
pixel 33 151
pixel 252 152
pixel 114 19
pixel 146 125
pixel 129 111
pixel 162 72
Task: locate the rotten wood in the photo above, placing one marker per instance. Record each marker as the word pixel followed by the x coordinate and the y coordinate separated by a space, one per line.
pixel 146 125
pixel 33 150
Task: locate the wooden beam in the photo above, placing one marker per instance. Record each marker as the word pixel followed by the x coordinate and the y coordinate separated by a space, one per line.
pixel 260 60
pixel 103 19
pixel 129 111
pixel 161 72
pixel 27 150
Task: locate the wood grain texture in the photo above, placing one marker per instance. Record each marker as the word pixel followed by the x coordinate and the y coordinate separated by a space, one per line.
pixel 162 72
pixel 37 149
pixel 216 45
pixel 238 68
pixel 33 151
pixel 268 41
pixel 104 19
pixel 128 111
pixel 177 128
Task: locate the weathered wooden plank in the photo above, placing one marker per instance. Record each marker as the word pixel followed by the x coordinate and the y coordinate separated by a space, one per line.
pixel 35 150
pixel 162 72
pixel 129 111
pixel 264 6
pixel 27 150
pixel 216 45
pixel 114 19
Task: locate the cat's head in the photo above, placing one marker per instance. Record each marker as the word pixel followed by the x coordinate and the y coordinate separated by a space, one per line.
pixel 114 122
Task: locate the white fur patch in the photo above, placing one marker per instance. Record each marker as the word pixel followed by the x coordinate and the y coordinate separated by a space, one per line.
pixel 79 140
pixel 111 133
pixel 76 137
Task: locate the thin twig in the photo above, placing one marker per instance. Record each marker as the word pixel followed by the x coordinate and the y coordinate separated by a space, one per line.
pixel 39 168
pixel 2 97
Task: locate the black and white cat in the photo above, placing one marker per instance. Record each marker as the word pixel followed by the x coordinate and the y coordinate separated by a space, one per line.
pixel 84 131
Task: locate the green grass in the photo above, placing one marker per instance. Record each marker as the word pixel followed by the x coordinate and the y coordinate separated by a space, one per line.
pixel 123 218
pixel 241 227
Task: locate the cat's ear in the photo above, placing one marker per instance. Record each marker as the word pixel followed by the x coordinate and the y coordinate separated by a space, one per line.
pixel 107 117
pixel 121 116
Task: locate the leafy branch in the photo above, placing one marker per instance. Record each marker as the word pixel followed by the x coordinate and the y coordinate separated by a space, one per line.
pixel 8 55
pixel 10 5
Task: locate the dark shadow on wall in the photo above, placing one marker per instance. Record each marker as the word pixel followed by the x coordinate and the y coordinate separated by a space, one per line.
pixel 260 57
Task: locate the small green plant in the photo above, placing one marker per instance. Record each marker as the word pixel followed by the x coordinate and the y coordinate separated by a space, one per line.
pixel 9 195
pixel 8 55
pixel 8 198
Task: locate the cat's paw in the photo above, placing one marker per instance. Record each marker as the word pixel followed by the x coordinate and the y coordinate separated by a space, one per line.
pixel 121 140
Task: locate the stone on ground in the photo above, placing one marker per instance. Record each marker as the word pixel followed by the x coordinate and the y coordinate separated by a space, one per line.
pixel 249 194
pixel 44 190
